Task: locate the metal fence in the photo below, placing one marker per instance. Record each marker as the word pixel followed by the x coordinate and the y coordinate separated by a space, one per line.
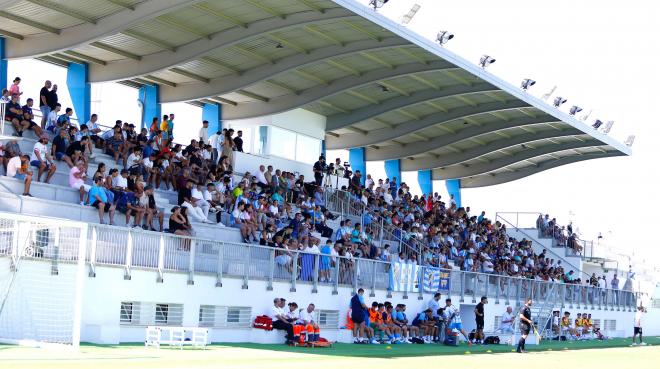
pixel 133 249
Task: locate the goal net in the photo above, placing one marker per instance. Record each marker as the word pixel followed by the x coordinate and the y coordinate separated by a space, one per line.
pixel 42 265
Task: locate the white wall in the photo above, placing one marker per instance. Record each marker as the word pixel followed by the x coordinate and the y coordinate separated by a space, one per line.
pixel 104 294
pixel 244 162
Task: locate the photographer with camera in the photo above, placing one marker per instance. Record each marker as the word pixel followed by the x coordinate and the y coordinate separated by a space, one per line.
pixel 320 167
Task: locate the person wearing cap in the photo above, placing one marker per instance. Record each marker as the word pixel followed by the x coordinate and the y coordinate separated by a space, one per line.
pixel 42 159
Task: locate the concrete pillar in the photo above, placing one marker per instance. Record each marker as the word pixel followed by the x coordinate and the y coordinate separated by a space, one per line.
pixel 358 162
pixel 425 181
pixel 150 99
pixel 80 90
pixel 393 170
pixel 212 113
pixel 454 188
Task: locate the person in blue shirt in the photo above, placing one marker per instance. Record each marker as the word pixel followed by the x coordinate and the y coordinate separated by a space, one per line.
pixel 99 199
pixel 399 318
pixel 277 196
pixel 358 314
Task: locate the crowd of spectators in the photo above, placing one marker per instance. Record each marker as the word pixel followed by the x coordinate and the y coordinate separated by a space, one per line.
pixel 271 207
pixel 563 235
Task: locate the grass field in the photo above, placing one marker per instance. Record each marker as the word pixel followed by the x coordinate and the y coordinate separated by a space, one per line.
pixel 614 353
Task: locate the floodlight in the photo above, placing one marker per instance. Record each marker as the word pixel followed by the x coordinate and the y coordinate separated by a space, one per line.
pixel 279 46
pixel 527 83
pixel 559 101
pixel 409 16
pixel 443 37
pixel 486 60
pixel 574 110
pixel 608 126
pixel 630 140
pixel 547 95
pixel 597 124
pixel 377 3
pixel 384 88
pixel 586 116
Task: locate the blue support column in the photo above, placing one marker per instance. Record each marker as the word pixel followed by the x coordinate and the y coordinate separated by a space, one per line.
pixel 150 98
pixel 454 188
pixel 213 113
pixel 3 65
pixel 358 162
pixel 393 170
pixel 425 181
pixel 80 90
pixel 323 150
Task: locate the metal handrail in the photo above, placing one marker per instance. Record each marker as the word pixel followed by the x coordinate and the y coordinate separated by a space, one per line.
pixel 540 244
pixel 138 249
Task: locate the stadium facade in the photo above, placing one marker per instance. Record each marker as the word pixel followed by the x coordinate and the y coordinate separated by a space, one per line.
pixel 331 74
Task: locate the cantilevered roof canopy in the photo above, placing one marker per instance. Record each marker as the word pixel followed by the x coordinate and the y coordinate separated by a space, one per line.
pixel 380 85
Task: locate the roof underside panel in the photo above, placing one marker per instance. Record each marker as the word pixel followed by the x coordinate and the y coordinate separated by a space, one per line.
pixel 379 85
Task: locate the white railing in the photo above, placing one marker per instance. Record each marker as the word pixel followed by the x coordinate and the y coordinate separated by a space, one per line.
pixel 133 249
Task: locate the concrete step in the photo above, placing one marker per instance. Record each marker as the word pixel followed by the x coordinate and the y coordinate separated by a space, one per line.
pixel 63 202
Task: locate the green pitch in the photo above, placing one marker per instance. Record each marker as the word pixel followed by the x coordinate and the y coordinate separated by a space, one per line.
pixel 614 353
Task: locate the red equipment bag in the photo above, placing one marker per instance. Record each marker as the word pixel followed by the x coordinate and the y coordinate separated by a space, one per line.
pixel 263 322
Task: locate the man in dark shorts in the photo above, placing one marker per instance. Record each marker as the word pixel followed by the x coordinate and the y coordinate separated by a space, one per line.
pixel 525 325
pixel 358 309
pixel 479 318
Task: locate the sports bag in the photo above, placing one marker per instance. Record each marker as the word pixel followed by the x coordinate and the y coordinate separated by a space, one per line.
pixel 263 322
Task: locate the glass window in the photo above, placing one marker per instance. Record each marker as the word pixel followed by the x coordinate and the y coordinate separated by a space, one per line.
pixel 282 143
pixel 307 149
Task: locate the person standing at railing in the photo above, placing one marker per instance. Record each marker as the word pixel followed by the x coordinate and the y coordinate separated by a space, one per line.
pixel 615 289
pixel 43 103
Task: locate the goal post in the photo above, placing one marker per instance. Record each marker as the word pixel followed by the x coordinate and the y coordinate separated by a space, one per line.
pixel 42 276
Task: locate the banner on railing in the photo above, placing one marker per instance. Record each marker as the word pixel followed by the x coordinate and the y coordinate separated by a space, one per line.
pixel 405 277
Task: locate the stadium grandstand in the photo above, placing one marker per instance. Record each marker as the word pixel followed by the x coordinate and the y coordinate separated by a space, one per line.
pixel 118 233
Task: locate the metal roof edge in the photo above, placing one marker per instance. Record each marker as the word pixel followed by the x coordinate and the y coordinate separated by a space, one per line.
pixel 473 68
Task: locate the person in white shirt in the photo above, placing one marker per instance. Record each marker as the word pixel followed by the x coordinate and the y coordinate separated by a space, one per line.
pixel 434 304
pixel 120 182
pixel 506 324
pixel 306 318
pixel 279 317
pixel 42 159
pixel 214 141
pixel 197 193
pixel 148 167
pixel 261 177
pixel 17 168
pixel 453 316
pixel 51 122
pixel 204 133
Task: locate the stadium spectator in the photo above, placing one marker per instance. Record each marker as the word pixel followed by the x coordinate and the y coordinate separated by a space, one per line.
pixel 14 89
pixel 280 320
pixel 178 223
pixel 77 177
pixel 99 199
pixel 17 167
pixel 204 133
pixel 238 141
pixel 637 328
pixel 42 159
pixel 53 98
pixel 43 103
